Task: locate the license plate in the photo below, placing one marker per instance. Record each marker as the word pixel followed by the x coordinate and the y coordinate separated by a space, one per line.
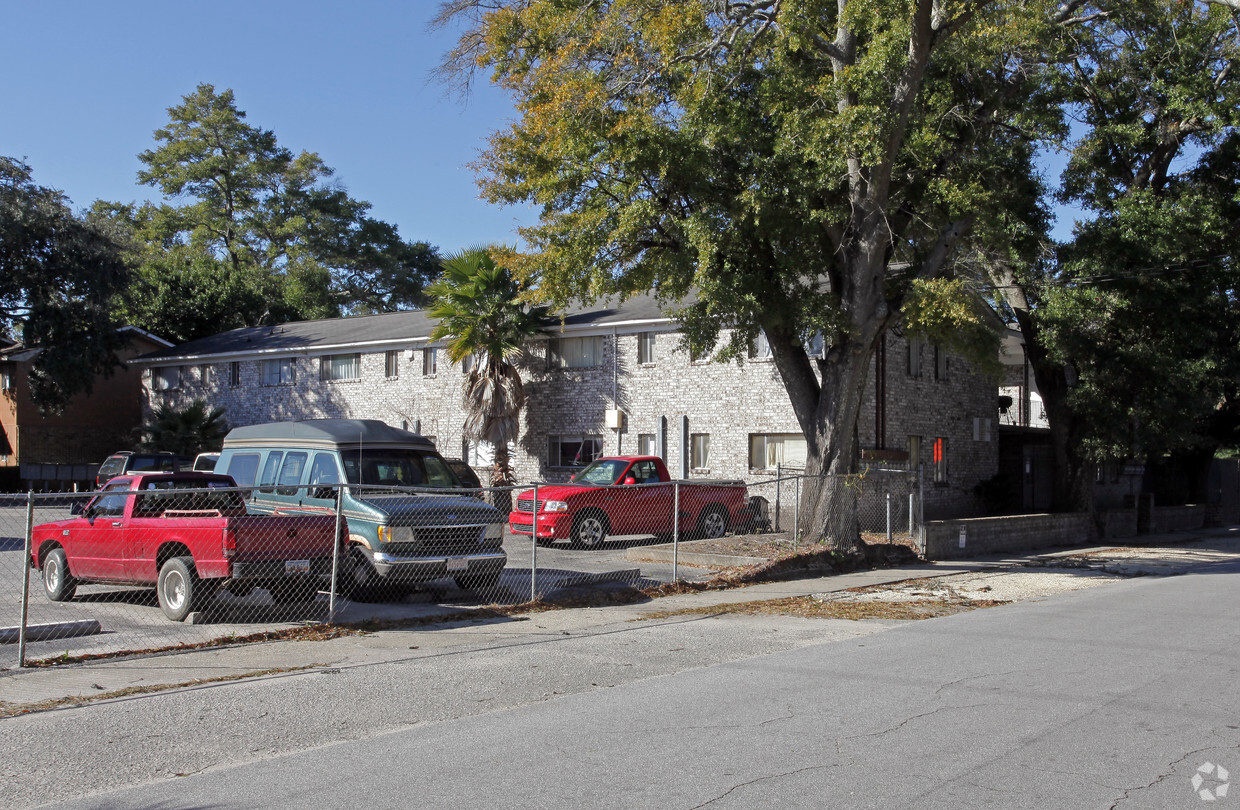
pixel 296 566
pixel 458 564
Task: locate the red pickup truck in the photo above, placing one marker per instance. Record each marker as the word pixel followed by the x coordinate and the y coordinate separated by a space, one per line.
pixel 628 495
pixel 188 534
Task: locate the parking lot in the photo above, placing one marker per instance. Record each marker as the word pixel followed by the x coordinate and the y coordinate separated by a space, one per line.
pixel 130 619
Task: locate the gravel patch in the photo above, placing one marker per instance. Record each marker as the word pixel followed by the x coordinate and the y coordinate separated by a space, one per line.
pixel 993 586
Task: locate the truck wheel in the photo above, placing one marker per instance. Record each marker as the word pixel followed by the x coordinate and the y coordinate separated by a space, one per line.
pixel 363 583
pixel 713 522
pixel 294 591
pixel 590 530
pixel 478 582
pixel 177 588
pixel 59 585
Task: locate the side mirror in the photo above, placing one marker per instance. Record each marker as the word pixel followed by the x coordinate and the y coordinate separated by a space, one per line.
pixel 77 508
pixel 629 480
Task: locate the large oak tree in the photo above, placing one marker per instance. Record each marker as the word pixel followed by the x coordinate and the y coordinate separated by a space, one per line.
pixel 805 166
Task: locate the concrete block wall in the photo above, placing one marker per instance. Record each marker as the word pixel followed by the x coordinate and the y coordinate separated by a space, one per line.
pixel 1000 535
pixel 1176 518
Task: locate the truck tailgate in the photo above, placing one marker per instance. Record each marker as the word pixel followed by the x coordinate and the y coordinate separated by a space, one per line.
pixel 282 537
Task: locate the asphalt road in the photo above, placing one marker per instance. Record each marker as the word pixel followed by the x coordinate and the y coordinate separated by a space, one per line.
pixel 1110 697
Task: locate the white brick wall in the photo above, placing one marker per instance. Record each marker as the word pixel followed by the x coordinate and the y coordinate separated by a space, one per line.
pixel 725 400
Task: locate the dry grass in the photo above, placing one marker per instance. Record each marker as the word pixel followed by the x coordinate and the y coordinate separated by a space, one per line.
pixel 809 607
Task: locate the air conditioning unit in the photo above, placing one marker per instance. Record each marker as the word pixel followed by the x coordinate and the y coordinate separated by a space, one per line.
pixel 613 418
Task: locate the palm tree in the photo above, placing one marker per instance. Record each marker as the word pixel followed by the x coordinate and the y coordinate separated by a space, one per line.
pixel 480 311
pixel 186 431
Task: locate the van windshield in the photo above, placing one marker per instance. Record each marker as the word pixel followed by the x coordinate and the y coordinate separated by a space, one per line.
pixel 397 468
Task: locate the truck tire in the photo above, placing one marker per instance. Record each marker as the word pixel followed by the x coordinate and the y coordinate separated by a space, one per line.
pixel 177 588
pixel 59 585
pixel 294 591
pixel 713 522
pixel 362 582
pixel 590 529
pixel 478 582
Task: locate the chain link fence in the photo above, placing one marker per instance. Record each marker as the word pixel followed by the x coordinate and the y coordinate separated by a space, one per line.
pixel 184 561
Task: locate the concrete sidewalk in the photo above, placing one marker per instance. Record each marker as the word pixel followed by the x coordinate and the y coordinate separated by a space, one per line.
pixel 109 679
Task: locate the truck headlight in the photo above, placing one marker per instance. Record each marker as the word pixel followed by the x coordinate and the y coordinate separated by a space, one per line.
pixel 395 534
pixel 555 506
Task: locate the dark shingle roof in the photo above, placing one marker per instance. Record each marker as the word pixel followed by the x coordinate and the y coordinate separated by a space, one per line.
pixel 392 330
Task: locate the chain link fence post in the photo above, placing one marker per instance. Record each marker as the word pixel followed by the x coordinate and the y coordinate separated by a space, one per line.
pixel 796 517
pixel 779 477
pixel 336 549
pixel 676 532
pixel 534 547
pixel 25 569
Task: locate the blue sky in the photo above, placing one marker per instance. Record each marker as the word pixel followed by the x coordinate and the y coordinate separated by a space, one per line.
pixel 84 85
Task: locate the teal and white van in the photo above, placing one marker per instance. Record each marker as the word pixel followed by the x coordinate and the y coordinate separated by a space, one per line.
pixel 408 521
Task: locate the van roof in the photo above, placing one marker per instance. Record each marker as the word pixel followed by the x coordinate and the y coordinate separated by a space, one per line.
pixel 329 433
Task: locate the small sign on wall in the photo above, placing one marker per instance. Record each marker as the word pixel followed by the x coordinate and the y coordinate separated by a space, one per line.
pixel 963 533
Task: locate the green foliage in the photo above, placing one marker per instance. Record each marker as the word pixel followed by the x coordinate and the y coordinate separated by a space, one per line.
pixel 944 311
pixel 188 431
pixel 58 272
pixel 253 233
pixel 481 314
pixel 1142 304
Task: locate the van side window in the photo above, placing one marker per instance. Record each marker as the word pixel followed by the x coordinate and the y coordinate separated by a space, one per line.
pixel 322 472
pixel 243 468
pixel 290 473
pixel 269 471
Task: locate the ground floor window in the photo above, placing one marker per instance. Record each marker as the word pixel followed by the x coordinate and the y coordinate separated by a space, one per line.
pixel 699 451
pixel 770 450
pixel 646 445
pixel 574 451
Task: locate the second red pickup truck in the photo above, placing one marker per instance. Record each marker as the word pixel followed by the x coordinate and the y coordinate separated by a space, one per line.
pixel 628 495
pixel 187 534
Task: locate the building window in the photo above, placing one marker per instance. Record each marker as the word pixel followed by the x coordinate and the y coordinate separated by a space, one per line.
pixel 645 348
pixel 760 349
pixel 981 429
pixel 204 375
pixel 815 345
pixel 6 377
pixel 391 365
pixel 165 378
pixel 914 453
pixel 699 451
pixel 340 367
pixel 914 355
pixel 769 450
pixel 582 352
pixel 430 361
pixel 467 363
pixel 574 451
pixel 940 460
pixel 234 374
pixel 278 372
pixel 646 445
pixel 940 364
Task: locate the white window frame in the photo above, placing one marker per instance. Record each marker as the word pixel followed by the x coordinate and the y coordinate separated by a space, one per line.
pixel 645 348
pixel 760 349
pixel 771 449
pixel 340 367
pixel 430 361
pixel 279 371
pixel 165 378
pixel 647 444
pixel 699 451
pixel 391 364
pixel 576 352
pixel 584 455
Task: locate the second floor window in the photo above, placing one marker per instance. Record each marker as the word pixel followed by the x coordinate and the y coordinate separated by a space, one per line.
pixel 430 362
pixel 234 374
pixel 278 372
pixel 914 356
pixel 391 365
pixel 645 348
pixel 760 349
pixel 340 367
pixel 582 352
